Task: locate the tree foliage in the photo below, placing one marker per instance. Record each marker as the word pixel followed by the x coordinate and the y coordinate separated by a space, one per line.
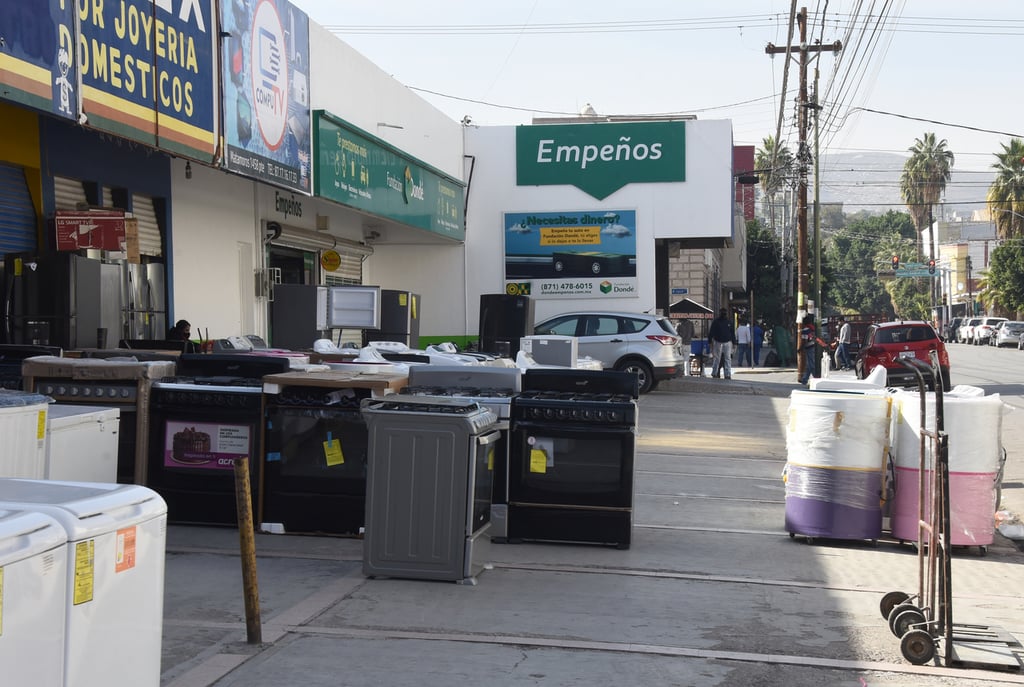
pixel 764 261
pixel 924 178
pixel 1006 195
pixel 855 255
pixel 1004 283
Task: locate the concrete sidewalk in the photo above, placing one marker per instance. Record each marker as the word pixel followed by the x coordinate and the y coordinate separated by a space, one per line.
pixel 713 591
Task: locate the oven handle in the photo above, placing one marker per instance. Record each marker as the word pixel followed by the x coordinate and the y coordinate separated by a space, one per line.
pixel 489 438
pixel 552 428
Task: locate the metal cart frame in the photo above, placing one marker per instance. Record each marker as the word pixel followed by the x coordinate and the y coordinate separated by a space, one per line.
pixel 924 623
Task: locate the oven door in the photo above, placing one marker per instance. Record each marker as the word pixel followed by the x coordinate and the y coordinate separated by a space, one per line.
pixel 571 465
pixel 314 470
pixel 192 458
pixel 484 457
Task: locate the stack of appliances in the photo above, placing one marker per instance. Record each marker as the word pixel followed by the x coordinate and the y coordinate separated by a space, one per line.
pixel 303 313
pixel 314 466
pixel 119 383
pixel 400 316
pixel 571 453
pixel 428 487
pixel 201 420
pixel 67 300
pixel 491 387
pixel 504 320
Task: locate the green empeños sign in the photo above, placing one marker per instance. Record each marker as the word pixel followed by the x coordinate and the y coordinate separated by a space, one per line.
pixel 599 159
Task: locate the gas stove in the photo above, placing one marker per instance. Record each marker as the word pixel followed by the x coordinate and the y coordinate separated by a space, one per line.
pixel 476 417
pixel 578 396
pixel 221 383
pixel 491 387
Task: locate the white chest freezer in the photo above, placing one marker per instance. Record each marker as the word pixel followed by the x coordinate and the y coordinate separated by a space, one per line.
pixel 116 541
pixel 33 579
pixel 23 428
pixel 81 443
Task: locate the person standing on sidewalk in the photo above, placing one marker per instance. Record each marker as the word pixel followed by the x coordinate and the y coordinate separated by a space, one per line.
pixel 743 345
pixel 720 338
pixel 843 345
pixel 757 341
pixel 808 342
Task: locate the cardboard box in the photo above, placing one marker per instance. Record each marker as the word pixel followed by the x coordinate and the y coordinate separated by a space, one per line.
pixel 94 368
pixel 380 384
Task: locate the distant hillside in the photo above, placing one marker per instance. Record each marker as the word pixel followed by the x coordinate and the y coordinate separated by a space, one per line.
pixel 871 181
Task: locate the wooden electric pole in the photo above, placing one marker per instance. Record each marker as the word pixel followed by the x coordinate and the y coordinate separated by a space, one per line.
pixel 803 158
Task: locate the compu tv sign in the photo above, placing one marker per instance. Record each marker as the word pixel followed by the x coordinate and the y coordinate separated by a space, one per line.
pixel 599 159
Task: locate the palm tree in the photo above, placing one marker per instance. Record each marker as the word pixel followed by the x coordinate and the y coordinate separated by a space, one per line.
pixel 777 160
pixel 1006 194
pixel 923 180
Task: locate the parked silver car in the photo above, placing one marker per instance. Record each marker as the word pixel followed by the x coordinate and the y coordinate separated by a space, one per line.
pixel 1008 333
pixel 635 342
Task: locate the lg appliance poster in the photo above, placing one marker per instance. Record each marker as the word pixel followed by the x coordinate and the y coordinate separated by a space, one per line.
pixel 266 91
pixel 205 445
pixel 571 254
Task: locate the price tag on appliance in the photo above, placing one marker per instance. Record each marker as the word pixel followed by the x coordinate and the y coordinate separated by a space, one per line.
pixel 332 451
pixel 538 460
pixel 124 558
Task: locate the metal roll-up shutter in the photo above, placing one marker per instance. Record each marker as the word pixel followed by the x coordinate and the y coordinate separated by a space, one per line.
pixel 17 214
pixel 349 272
pixel 68 194
pixel 150 242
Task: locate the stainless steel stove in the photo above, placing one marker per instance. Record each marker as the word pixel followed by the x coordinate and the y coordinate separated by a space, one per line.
pixel 491 387
pixel 428 487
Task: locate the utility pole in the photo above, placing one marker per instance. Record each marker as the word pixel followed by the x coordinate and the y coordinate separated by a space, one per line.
pixel 803 156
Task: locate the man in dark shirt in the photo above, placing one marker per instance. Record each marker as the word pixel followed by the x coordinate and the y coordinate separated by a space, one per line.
pixel 720 338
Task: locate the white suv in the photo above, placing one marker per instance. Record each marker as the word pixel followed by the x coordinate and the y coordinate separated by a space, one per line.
pixel 635 342
pixel 982 331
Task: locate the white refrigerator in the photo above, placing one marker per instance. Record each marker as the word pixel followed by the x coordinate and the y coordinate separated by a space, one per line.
pixel 81 443
pixel 116 541
pixel 33 579
pixel 23 434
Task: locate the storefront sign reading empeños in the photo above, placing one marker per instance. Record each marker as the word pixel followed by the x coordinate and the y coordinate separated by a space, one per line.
pixel 599 159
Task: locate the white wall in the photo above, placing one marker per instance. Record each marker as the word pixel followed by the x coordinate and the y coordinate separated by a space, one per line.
pixel 349 86
pixel 700 207
pixel 213 219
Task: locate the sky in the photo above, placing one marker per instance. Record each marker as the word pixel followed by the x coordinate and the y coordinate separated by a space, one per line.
pixel 503 63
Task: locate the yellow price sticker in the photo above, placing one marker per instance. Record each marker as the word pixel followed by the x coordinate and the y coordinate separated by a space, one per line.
pixel 490 459
pixel 332 452
pixel 538 460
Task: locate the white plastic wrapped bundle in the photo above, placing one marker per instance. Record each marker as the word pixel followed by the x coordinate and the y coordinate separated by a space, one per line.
pixel 973 422
pixel 838 430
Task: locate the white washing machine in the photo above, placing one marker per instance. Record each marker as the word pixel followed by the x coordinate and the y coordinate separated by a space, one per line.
pixel 23 428
pixel 116 542
pixel 33 590
pixel 81 443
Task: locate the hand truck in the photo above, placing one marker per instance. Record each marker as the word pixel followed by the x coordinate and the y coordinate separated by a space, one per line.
pixel 924 623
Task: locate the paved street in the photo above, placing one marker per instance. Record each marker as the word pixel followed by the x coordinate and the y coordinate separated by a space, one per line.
pixel 712 591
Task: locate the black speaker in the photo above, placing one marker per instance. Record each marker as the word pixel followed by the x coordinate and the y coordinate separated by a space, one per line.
pixel 504 319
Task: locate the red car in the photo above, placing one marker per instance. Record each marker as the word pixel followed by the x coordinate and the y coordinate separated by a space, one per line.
pixel 887 342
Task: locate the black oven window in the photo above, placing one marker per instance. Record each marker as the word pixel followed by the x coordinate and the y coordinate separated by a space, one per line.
pixel 572 470
pixel 317 443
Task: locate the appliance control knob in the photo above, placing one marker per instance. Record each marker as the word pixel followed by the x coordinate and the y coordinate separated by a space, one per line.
pixel 74 391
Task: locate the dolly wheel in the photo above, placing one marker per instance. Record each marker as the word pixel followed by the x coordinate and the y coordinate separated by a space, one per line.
pixel 903 622
pixel 918 647
pixel 891 601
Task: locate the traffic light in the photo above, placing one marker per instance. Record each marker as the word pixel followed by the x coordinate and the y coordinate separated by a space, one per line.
pixel 895 262
pixel 931 267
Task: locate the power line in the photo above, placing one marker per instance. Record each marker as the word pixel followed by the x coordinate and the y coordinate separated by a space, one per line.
pixel 935 121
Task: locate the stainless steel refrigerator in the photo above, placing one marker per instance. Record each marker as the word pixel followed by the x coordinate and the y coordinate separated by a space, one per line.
pixel 72 301
pixel 143 297
pixel 399 318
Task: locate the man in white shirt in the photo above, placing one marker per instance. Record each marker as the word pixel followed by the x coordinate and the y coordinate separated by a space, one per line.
pixel 843 345
pixel 743 341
